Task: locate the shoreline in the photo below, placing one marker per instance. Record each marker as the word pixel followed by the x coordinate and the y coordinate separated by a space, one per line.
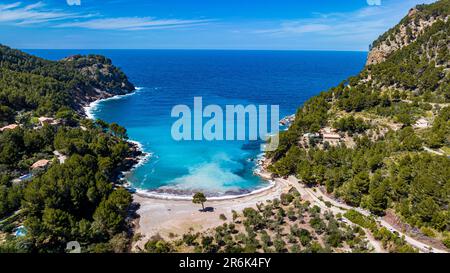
pixel 173 197
pixel 174 217
pixel 259 171
pixel 144 156
pixel 91 106
pixel 139 157
pixel 168 218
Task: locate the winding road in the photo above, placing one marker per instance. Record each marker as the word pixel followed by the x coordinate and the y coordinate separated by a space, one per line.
pixel 319 199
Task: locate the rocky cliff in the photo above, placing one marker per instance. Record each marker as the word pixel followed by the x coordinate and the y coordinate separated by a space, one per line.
pixel 408 30
pixel 100 72
pixel 101 79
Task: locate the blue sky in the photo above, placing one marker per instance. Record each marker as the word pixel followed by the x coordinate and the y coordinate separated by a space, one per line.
pixel 199 24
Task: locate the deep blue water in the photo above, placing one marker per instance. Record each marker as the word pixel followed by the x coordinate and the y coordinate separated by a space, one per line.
pixel 171 77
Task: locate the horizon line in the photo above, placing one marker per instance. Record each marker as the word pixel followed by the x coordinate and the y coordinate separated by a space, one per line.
pixel 198 49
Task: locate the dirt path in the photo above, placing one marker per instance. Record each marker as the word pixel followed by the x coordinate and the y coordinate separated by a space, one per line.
pixel 317 194
pixel 311 195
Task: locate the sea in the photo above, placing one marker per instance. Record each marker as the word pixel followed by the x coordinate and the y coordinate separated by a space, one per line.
pixel 166 78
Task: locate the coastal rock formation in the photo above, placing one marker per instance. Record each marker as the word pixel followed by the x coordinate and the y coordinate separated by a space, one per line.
pixel 403 34
pixel 72 82
pixel 101 73
pixel 101 79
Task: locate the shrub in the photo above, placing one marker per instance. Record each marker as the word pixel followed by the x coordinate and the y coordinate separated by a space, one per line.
pixel 286 198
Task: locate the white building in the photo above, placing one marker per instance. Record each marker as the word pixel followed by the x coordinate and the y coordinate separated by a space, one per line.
pixel 421 123
pixel 332 138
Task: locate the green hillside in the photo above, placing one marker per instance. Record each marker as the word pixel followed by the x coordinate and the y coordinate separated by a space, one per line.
pixel 394 123
pixel 33 84
pixel 71 162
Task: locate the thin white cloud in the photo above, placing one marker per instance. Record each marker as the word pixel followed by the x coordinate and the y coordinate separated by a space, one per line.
pixel 34 6
pixel 295 27
pixel 366 23
pixel 132 23
pixel 9 6
pixel 18 14
pixel 37 13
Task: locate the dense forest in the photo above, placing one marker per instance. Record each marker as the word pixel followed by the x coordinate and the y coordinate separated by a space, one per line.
pixel 72 197
pixel 385 163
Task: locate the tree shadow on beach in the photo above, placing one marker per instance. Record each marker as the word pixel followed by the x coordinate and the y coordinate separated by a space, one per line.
pixel 132 210
pixel 207 209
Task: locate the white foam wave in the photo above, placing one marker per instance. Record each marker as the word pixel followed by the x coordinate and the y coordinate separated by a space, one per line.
pixel 168 196
pixel 209 177
pixel 144 158
pixel 92 107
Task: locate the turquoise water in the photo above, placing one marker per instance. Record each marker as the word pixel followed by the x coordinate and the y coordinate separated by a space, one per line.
pixel 171 77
